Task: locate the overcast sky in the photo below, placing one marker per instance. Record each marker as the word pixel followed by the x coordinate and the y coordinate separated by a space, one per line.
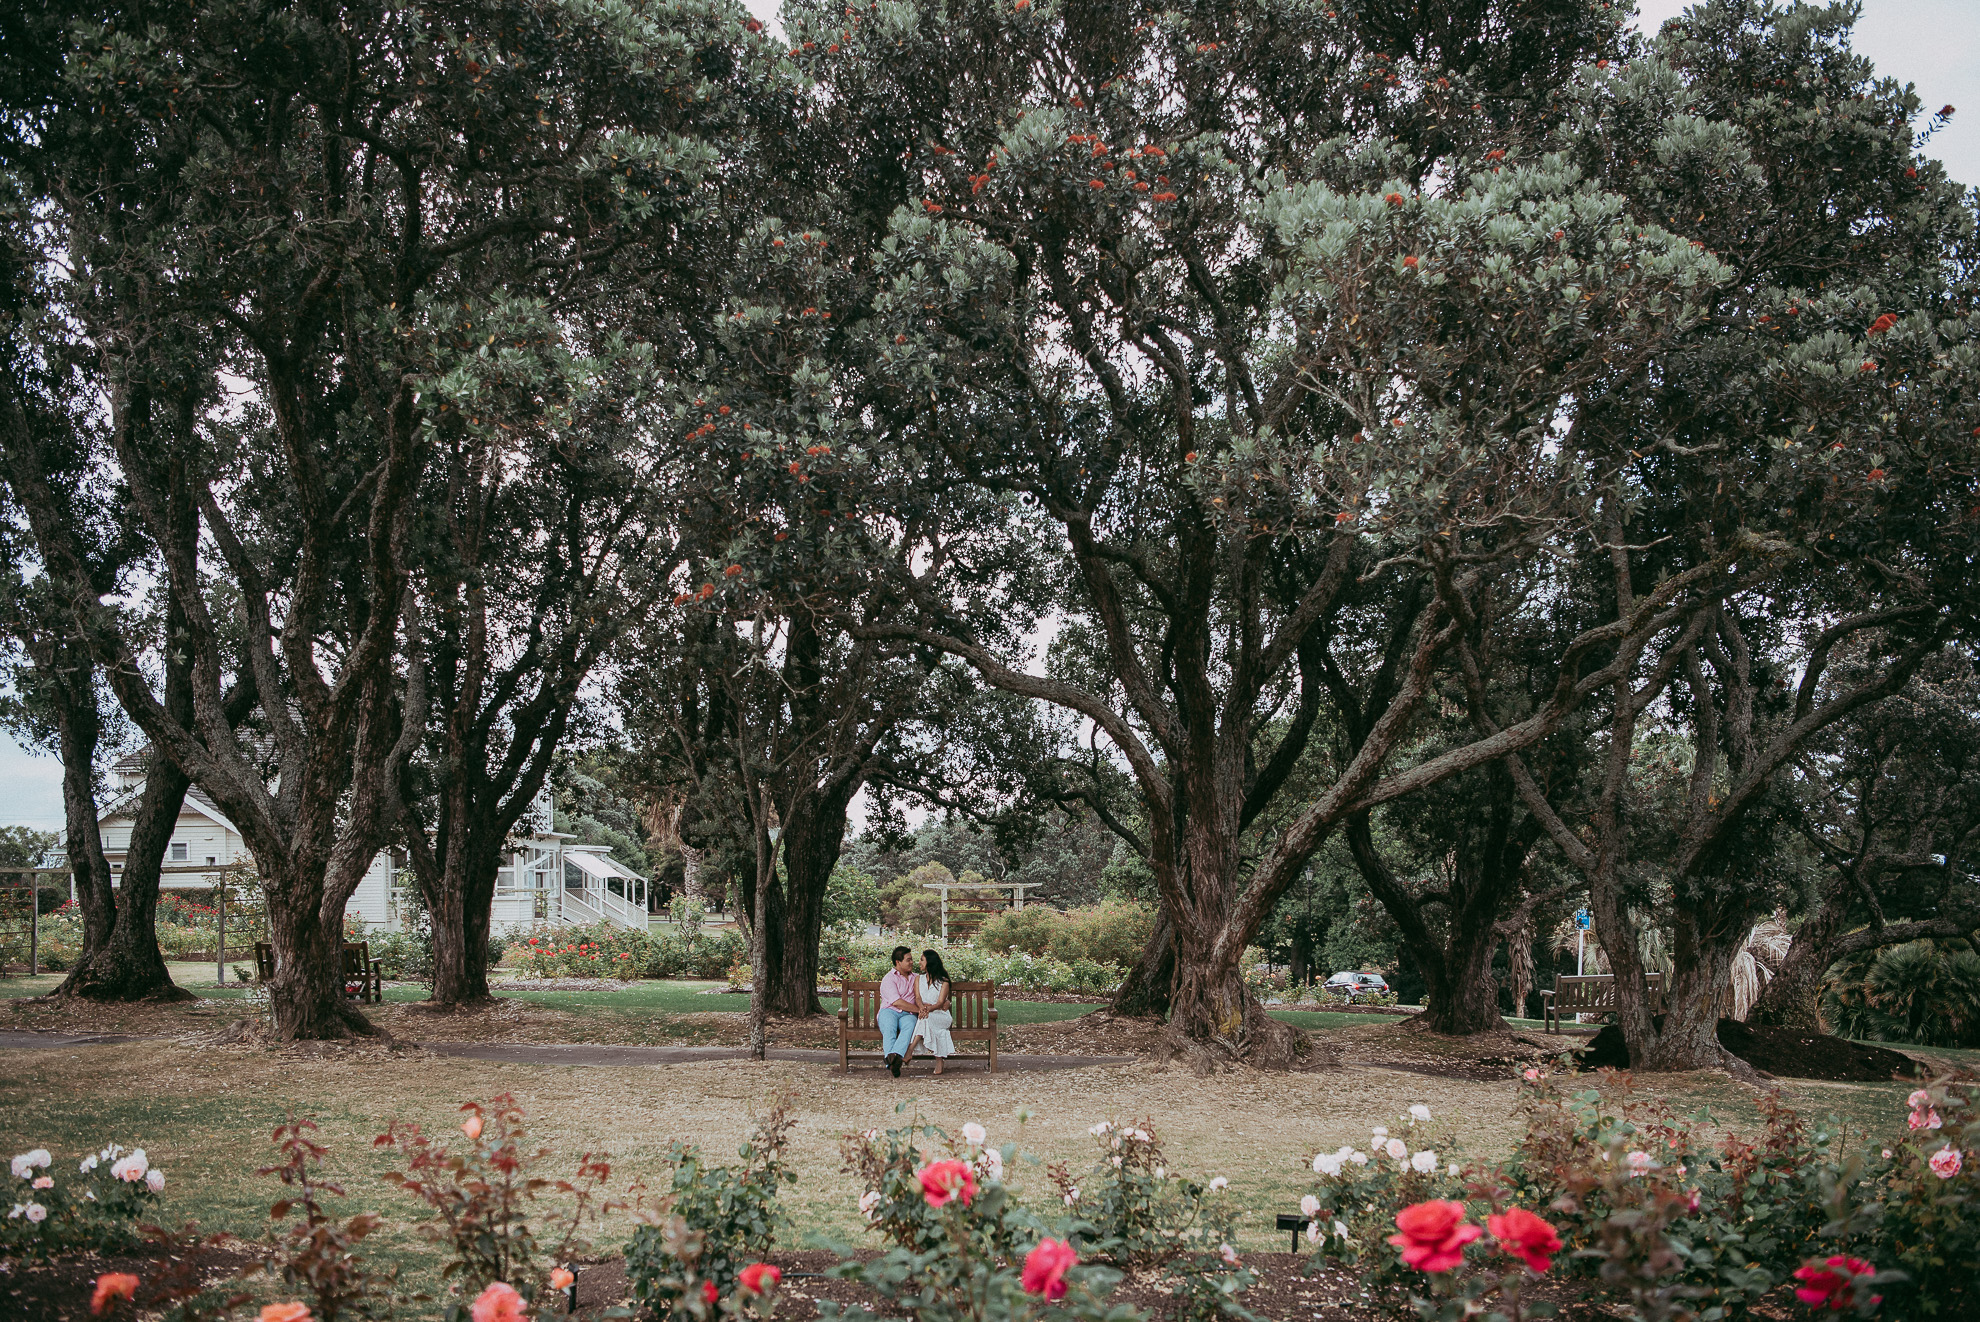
pixel 1932 43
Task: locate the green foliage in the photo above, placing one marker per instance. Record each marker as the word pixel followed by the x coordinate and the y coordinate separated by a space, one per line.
pixel 23 846
pixel 1111 932
pixel 93 1205
pixel 852 898
pixel 1133 1212
pixel 603 950
pixel 907 894
pixel 714 1220
pixel 959 1261
pixel 1927 992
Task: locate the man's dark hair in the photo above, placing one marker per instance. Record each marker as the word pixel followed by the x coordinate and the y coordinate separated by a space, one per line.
pixel 898 952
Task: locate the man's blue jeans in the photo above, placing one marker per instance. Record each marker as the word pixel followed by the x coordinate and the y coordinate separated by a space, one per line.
pixel 896 1031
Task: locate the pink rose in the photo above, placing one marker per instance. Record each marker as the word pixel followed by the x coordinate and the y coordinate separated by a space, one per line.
pixel 498 1303
pixel 1945 1162
pixel 1045 1268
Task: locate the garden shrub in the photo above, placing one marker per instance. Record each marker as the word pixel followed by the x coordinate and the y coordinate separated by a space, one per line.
pixel 482 1198
pixel 1131 1211
pixel 96 1208
pixel 1927 992
pixel 1111 932
pixel 852 898
pixel 963 1248
pixel 1635 1206
pixel 713 1220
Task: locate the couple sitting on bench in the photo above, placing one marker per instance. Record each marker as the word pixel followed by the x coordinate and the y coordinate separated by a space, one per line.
pixel 914 1010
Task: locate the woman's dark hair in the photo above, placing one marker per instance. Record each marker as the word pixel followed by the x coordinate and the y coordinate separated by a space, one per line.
pixel 934 969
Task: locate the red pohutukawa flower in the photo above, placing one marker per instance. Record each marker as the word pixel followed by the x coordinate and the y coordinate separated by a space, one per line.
pixel 1832 1285
pixel 943 1182
pixel 1045 1268
pixel 759 1278
pixel 1525 1236
pixel 1434 1234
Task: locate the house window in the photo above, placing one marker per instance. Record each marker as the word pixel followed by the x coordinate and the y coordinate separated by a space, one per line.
pixel 211 860
pixel 178 853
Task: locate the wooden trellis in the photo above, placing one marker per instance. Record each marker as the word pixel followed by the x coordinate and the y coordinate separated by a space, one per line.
pixel 972 910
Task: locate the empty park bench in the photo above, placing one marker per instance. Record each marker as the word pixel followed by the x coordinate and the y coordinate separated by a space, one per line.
pixel 1593 994
pixel 360 970
pixel 973 1005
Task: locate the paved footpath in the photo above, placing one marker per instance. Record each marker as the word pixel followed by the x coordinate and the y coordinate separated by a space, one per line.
pixel 604 1054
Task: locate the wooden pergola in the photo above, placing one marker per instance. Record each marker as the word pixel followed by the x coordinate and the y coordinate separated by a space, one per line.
pixel 971 910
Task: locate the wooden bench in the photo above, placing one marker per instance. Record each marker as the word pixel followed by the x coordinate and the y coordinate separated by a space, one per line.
pixel 973 1005
pixel 1593 994
pixel 360 970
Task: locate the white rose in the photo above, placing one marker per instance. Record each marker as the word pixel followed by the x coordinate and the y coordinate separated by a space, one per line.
pixel 131 1168
pixel 1309 1207
pixel 88 1164
pixel 1396 1148
pixel 15 1215
pixel 1140 1135
pixel 19 1166
pixel 868 1201
pixel 37 1213
pixel 1327 1163
pixel 1072 1195
pixel 1313 1232
pixel 1161 1172
pixel 1358 1158
pixel 1340 1229
pixel 1218 1183
pixel 1117 1163
pixel 1100 1129
pixel 1453 1170
pixel 993 1165
pixel 1423 1162
pixel 154 1180
pixel 1419 1112
pixel 1381 1132
pixel 974 1133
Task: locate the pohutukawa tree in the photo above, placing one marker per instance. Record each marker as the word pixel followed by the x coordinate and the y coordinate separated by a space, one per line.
pixel 1290 395
pixel 1889 800
pixel 1818 422
pixel 319 199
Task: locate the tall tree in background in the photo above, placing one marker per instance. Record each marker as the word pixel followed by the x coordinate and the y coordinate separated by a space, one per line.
pixel 1890 801
pixel 1284 389
pixel 337 187
pixel 1819 420
pixel 48 453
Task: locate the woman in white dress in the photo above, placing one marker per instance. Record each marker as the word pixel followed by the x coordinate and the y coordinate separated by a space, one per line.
pixel 931 995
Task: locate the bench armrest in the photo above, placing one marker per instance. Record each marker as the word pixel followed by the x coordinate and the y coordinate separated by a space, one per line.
pixel 842 1014
pixel 993 1016
pixel 1547 995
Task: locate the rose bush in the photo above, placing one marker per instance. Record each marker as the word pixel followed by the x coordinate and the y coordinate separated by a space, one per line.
pixel 93 1204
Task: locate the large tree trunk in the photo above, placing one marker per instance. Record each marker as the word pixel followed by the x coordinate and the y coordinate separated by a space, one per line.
pixel 307 991
pixel 1710 932
pixel 129 966
pixel 1460 997
pixel 1211 1007
pixel 812 842
pixel 69 688
pixel 457 884
pixel 1146 990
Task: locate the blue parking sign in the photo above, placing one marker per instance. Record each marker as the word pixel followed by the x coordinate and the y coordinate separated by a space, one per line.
pixel 1583 919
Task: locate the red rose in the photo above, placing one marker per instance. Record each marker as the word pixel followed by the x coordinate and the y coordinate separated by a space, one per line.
pixel 709 1293
pixel 1045 1268
pixel 1433 1235
pixel 1526 1236
pixel 946 1181
pixel 759 1278
pixel 112 1286
pixel 1832 1285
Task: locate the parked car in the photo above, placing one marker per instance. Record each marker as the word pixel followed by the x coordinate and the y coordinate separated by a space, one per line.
pixel 1351 986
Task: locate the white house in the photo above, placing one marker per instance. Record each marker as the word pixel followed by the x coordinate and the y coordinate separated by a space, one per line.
pixel 548 877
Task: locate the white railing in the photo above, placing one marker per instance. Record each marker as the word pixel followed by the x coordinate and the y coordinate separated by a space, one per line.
pixel 573 910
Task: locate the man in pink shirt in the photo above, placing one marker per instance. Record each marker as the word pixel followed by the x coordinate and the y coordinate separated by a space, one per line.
pixel 897 1009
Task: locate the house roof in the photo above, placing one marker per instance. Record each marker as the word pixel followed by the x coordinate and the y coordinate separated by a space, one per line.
pixel 125 804
pixel 597 865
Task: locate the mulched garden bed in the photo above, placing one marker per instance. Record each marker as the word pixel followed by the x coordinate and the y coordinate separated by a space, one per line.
pixel 59 1291
pixel 1788 1053
pixel 1283 1293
